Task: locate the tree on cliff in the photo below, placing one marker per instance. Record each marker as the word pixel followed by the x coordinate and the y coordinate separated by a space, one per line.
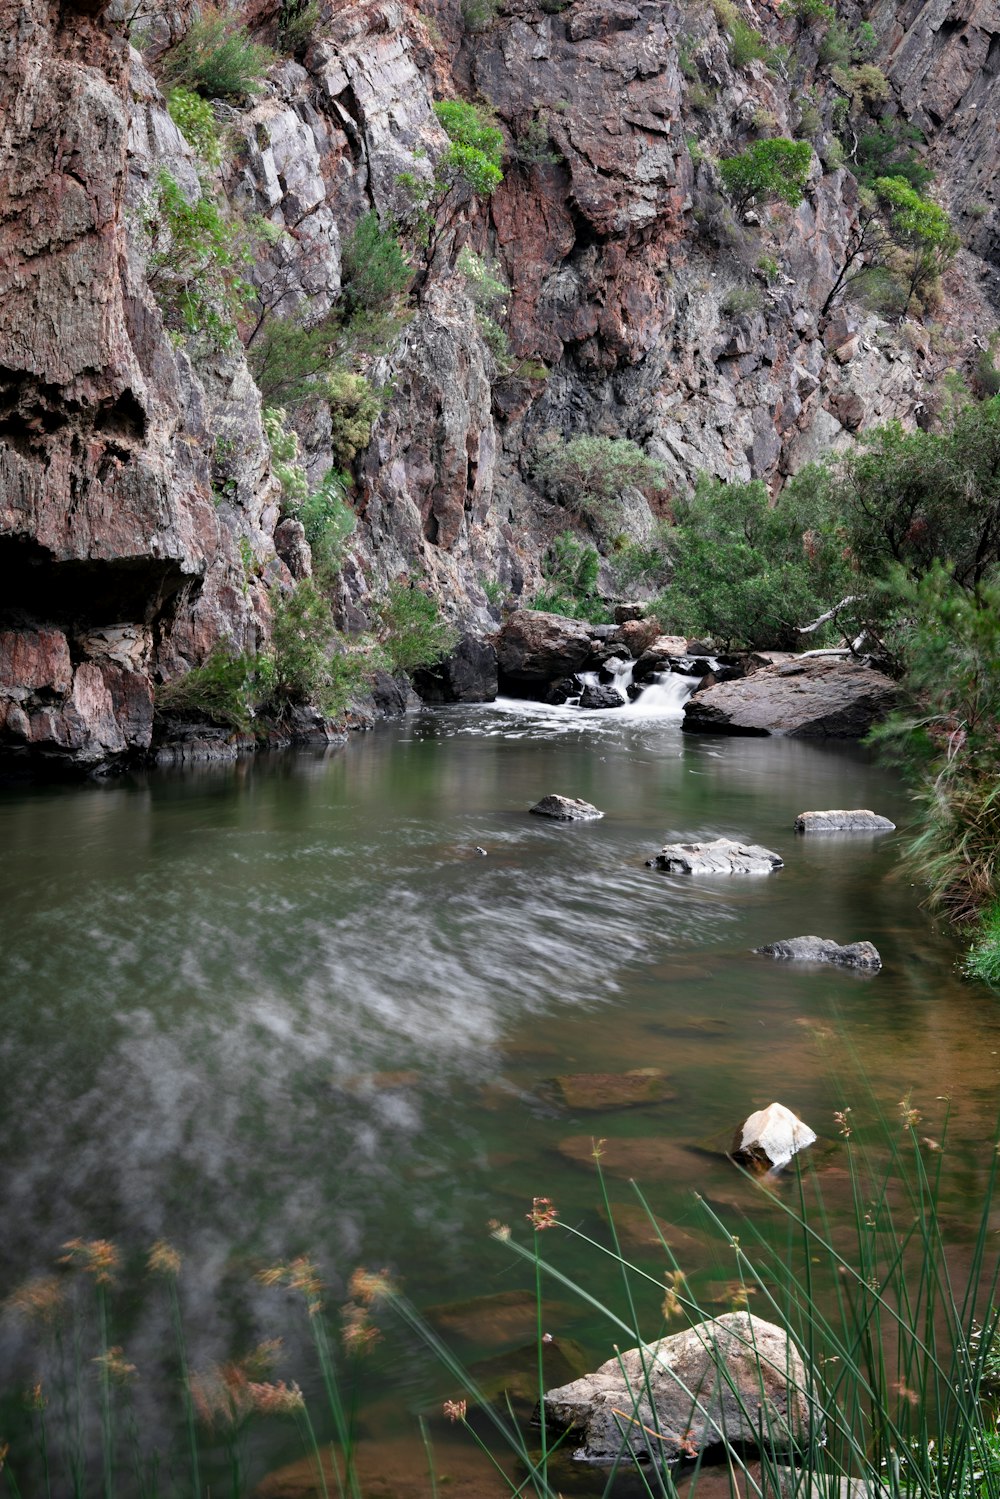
pixel 766 171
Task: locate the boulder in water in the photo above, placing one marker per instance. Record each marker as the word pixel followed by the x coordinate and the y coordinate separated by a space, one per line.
pixel 720 856
pixel 534 646
pixel 565 809
pixel 815 697
pixel 600 697
pixel 823 950
pixel 769 1138
pixel 858 821
pixel 726 1380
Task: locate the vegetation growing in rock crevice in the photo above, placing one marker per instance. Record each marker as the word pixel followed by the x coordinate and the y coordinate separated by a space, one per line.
pixel 217 58
pixel 587 475
pixel 570 567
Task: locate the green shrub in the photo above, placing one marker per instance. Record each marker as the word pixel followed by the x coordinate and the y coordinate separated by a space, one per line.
pixel 195 263
pixel 922 231
pixel 888 151
pixel 746 45
pixel 987 374
pixel 983 959
pixel 194 119
pixel 865 85
pixel 570 567
pixel 476 149
pixel 767 170
pixel 284 445
pixel 810 122
pixel 769 269
pixel 216 58
pixel 642 563
pixel 297 20
pixel 375 270
pixel 837 46
pixel 749 574
pixel 740 300
pixel 533 146
pixel 229 689
pixel 311 662
pixel 587 474
pixel 410 628
pixel 479 15
pixel 809 12
pixel 286 358
pixel 946 738
pixel 329 523
pixel 355 406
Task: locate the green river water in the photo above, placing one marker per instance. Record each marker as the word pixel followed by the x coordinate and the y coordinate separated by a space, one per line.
pixel 285 1007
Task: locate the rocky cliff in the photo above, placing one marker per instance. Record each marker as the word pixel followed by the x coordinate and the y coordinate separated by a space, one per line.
pixel 138 507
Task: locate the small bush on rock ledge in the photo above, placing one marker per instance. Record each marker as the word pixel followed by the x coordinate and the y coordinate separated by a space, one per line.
pixel 587 474
pixel 767 170
pixel 217 58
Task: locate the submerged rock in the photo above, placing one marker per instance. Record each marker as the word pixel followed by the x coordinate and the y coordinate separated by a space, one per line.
pixel 815 697
pixel 724 1380
pixel 859 820
pixel 770 1138
pixel 593 1091
pixel 502 1317
pixel 823 950
pixel 720 856
pixel 565 809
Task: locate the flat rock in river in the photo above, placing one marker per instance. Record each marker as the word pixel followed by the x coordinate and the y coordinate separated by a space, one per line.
pixel 720 856
pixel 641 1400
pixel 595 1091
pixel 817 697
pixel 857 820
pixel 823 950
pixel 565 809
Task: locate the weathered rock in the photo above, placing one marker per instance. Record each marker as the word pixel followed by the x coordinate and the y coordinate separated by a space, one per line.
pixel 720 856
pixel 600 697
pixel 770 1138
pixel 625 612
pixel 812 697
pixel 724 1380
pixel 468 675
pixel 587 1092
pixel 565 809
pixel 535 647
pixel 561 691
pixel 638 634
pixel 857 821
pixel 823 950
pixel 293 549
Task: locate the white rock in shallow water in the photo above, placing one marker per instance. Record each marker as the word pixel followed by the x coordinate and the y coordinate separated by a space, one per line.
pixel 721 856
pixel 824 950
pixel 858 821
pixel 566 809
pixel 771 1137
pixel 643 1403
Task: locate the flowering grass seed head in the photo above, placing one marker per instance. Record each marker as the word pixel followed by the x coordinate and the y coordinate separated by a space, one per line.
pixel 98 1258
pixel 163 1259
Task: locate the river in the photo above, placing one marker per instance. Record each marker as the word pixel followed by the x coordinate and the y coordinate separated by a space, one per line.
pixel 286 1006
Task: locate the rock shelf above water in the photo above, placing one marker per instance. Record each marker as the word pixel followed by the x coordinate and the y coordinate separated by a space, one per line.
pixel 566 809
pixel 823 950
pixel 720 856
pixel 859 820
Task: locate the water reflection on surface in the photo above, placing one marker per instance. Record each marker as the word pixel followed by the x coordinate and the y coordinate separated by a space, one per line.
pixel 285 1006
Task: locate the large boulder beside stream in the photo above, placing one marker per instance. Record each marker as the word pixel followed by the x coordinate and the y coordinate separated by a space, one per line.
pixel 724 1380
pixel 815 697
pixel 537 647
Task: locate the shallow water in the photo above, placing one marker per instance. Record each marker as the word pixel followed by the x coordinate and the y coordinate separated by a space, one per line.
pixel 285 1007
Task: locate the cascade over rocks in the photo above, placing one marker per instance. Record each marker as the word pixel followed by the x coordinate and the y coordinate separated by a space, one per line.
pixel 726 1379
pixel 814 697
pixel 823 950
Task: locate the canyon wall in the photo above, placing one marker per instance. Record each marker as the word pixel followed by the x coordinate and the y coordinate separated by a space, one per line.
pixel 138 506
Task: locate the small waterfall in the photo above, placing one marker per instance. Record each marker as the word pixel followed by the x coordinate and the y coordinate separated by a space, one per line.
pixel 664 697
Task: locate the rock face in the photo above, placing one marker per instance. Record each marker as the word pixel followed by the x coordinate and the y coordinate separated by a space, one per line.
pixel 858 821
pixel 817 697
pixel 672 1398
pixel 468 675
pixel 721 856
pixel 137 497
pixel 769 1138
pixel 565 809
pixel 823 950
